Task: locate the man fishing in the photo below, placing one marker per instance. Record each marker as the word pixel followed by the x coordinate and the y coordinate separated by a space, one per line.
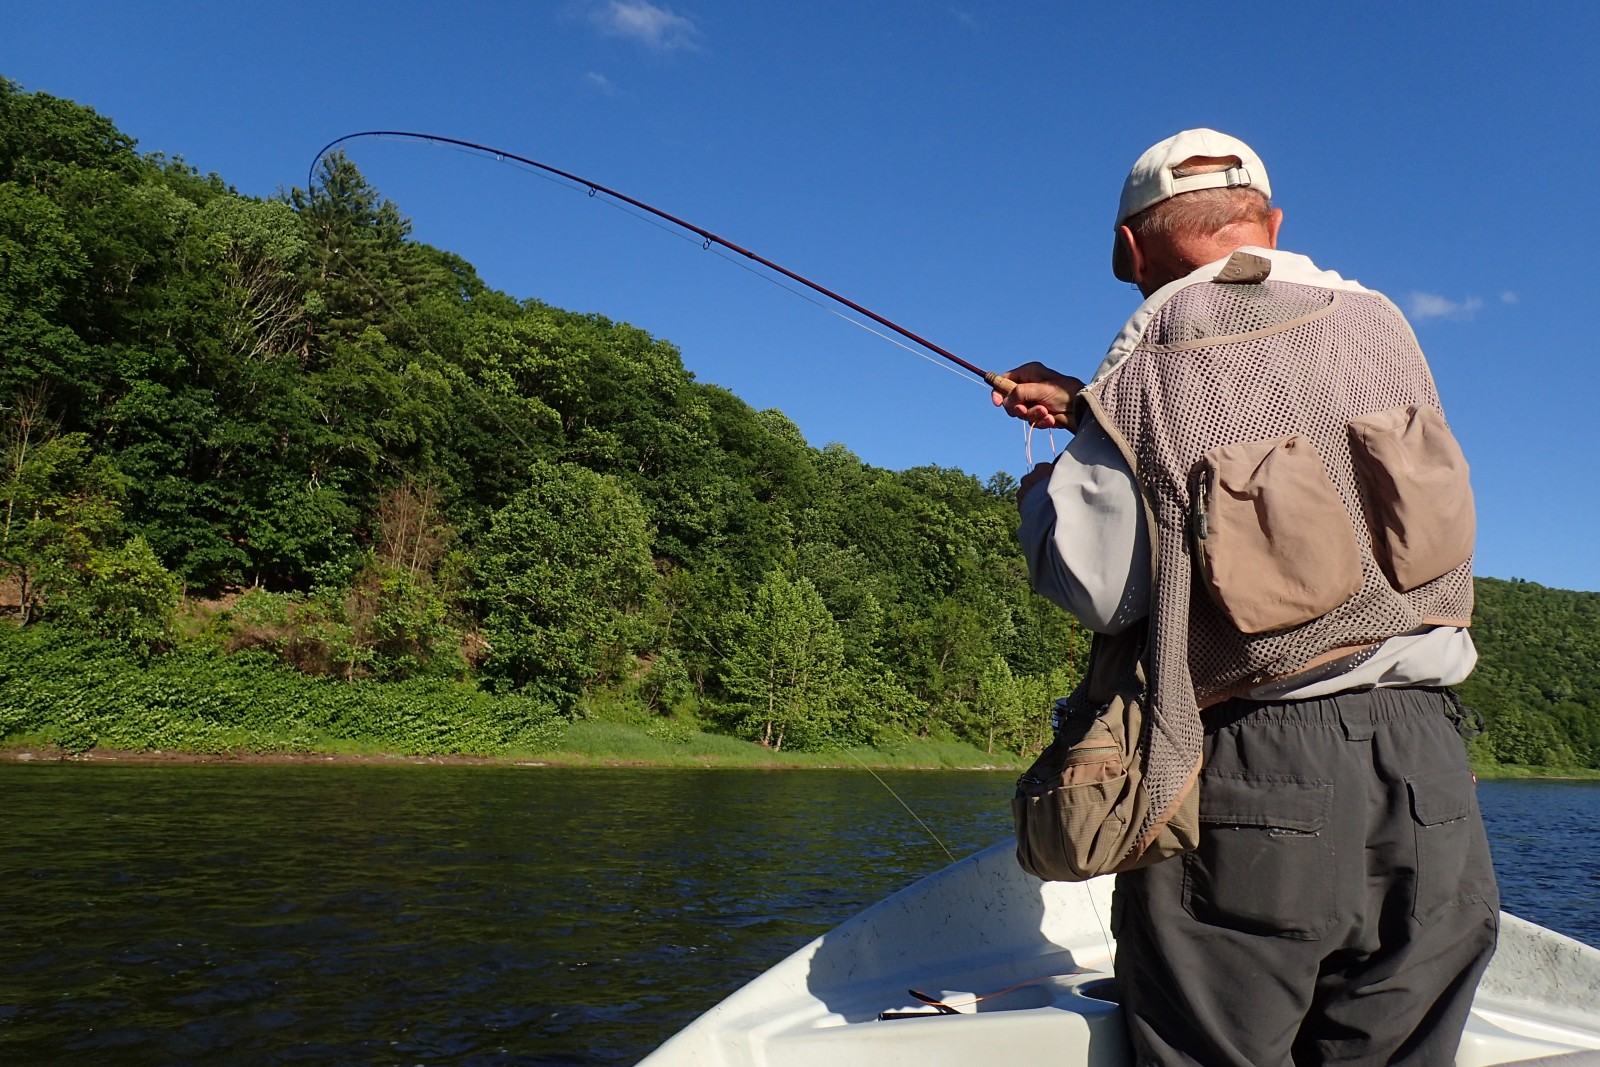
pixel 1263 490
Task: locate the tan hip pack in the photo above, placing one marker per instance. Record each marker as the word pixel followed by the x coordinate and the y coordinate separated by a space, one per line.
pixel 1082 810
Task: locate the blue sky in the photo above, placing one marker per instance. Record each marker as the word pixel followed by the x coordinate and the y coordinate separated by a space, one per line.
pixel 954 166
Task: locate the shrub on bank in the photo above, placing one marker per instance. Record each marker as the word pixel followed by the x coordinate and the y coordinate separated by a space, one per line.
pixel 80 693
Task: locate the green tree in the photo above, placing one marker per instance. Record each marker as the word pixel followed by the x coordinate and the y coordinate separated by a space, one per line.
pixel 62 541
pixel 41 265
pixel 564 578
pixel 1515 736
pixel 783 671
pixel 127 594
pixel 1538 676
pixel 1010 709
pixel 62 508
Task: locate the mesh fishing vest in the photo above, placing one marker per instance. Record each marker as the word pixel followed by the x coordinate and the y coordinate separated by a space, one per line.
pixel 1305 499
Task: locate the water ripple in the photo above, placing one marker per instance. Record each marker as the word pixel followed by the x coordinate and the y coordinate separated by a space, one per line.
pixel 487 917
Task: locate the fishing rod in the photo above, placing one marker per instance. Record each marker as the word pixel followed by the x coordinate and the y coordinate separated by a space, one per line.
pixel 998 382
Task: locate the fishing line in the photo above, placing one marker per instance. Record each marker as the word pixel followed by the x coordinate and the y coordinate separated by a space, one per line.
pixel 708 239
pixel 709 242
pixel 1105 935
pixel 959 373
pixel 717 251
pixel 1027 441
pixel 903 804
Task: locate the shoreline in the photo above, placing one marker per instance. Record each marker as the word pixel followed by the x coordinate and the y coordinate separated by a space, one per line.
pixel 810 761
pixel 43 754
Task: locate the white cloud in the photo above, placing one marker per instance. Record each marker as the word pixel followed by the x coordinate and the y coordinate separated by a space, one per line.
pixel 649 25
pixel 1508 297
pixel 601 82
pixel 1434 306
pixel 963 17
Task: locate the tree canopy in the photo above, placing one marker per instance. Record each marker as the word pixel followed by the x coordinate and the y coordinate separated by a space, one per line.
pixel 349 452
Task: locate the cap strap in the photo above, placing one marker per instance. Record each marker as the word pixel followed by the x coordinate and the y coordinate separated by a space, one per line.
pixel 1244 268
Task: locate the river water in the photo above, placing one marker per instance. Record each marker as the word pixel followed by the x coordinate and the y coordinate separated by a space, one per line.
pixel 241 914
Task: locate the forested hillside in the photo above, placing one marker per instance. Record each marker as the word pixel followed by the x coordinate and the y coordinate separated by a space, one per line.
pixel 1538 676
pixel 282 426
pixel 279 440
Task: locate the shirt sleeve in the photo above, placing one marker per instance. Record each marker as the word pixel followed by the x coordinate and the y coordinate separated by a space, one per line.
pixel 1084 537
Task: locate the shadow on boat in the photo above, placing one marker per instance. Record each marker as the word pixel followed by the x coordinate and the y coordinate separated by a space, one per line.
pixel 981 962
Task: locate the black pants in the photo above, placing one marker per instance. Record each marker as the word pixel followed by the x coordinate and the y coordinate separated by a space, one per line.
pixel 1341 906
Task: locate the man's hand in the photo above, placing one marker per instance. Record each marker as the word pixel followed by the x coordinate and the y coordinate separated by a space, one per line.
pixel 1040 473
pixel 1042 398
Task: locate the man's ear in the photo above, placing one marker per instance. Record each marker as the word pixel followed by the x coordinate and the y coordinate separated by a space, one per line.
pixel 1136 259
pixel 1274 220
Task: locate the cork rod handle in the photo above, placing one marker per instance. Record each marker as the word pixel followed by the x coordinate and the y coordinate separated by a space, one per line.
pixel 999 383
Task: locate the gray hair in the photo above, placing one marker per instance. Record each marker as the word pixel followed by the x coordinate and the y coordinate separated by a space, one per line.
pixel 1201 213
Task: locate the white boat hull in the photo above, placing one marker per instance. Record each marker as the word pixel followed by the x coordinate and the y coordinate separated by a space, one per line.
pixel 982 925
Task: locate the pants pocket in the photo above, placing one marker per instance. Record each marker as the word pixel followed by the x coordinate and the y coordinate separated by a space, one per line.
pixel 1265 864
pixel 1452 848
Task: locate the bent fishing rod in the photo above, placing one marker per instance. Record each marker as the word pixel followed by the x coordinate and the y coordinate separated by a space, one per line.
pixel 998 382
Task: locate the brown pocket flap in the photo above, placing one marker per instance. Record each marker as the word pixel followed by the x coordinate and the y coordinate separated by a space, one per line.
pixel 1440 797
pixel 1419 494
pixel 1274 539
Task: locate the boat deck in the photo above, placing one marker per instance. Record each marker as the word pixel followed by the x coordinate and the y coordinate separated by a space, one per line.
pixel 1025 966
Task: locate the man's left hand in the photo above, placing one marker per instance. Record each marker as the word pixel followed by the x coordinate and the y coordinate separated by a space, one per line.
pixel 1040 473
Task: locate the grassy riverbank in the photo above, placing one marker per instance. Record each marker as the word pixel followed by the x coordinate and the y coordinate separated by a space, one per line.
pixel 605 743
pixel 66 696
pixel 612 744
pixel 587 744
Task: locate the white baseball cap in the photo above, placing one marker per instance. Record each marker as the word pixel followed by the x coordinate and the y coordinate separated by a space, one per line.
pixel 1153 180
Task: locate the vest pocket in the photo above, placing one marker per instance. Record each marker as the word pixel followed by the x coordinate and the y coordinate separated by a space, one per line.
pixel 1272 537
pixel 1419 495
pixel 1071 809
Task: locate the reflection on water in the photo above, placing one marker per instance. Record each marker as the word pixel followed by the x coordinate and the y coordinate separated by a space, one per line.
pixel 333 915
pixel 447 915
